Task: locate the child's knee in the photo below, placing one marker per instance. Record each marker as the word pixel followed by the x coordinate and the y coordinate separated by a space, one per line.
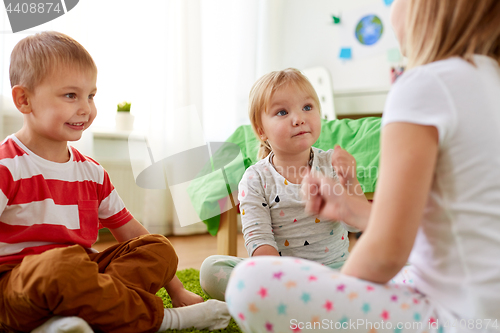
pixel 214 274
pixel 209 263
pixel 210 278
pixel 161 246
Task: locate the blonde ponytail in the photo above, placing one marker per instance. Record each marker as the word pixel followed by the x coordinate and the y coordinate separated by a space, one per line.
pixel 437 30
pixel 264 150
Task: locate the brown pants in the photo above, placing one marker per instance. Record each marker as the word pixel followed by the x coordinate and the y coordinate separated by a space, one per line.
pixel 114 291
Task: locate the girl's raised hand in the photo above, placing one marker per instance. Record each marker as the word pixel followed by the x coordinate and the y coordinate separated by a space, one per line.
pixel 344 165
pixel 323 196
pixel 326 197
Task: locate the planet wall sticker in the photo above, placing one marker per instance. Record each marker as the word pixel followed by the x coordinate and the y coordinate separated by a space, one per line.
pixel 369 30
pixel 363 31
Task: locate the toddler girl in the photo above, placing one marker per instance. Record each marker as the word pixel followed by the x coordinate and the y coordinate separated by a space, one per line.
pixel 285 115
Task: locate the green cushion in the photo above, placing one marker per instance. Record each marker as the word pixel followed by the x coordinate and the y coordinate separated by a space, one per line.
pixel 360 137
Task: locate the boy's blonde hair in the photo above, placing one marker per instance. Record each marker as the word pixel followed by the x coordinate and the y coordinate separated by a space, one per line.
pixel 437 30
pixel 262 92
pixel 37 56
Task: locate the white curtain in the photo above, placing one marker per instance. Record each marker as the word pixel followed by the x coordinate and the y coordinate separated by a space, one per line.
pixel 241 42
pixel 165 56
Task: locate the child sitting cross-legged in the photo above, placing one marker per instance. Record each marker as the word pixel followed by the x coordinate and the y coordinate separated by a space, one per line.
pixel 436 203
pixel 53 200
pixel 285 115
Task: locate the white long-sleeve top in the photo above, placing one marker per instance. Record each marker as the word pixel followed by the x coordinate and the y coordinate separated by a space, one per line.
pixel 272 213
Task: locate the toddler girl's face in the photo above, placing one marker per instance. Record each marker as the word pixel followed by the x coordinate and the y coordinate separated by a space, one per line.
pixel 292 123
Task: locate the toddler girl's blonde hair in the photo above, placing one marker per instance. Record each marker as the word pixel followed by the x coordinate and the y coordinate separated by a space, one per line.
pixel 262 92
pixel 437 30
pixel 35 57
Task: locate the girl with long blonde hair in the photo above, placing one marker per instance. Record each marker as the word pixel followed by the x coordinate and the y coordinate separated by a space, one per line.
pixel 436 203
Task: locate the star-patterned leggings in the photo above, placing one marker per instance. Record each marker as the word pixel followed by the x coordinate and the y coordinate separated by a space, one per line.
pixel 215 272
pixel 284 294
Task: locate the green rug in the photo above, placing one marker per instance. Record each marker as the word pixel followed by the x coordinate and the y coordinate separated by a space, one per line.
pixel 191 279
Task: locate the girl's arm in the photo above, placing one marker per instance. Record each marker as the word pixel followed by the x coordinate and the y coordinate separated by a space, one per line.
pixel 407 163
pixel 265 250
pixel 255 215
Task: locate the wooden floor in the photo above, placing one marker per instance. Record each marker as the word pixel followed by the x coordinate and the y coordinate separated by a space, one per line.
pixel 192 250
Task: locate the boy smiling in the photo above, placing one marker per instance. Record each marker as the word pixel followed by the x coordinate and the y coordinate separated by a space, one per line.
pixel 59 110
pixel 53 200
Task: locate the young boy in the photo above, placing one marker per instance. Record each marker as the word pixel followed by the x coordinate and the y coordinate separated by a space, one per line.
pixel 53 200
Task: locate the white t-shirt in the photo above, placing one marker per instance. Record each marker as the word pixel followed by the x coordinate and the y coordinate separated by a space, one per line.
pixel 456 253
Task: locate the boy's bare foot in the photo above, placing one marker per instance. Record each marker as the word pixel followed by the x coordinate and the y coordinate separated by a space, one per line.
pixel 185 297
pixel 179 295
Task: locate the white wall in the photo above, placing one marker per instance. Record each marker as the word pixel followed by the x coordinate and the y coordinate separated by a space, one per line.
pixel 310 39
pixel 300 34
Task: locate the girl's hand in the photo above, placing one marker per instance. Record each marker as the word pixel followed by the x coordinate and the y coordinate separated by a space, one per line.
pixel 324 196
pixel 344 165
pixel 328 198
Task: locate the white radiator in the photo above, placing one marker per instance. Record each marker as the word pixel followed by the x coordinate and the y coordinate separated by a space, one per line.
pixel 123 180
pixel 153 208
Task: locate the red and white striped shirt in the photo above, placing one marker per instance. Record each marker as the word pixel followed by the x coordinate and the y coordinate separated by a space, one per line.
pixel 45 204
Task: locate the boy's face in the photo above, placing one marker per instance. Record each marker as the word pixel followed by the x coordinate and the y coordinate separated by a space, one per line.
pixel 292 123
pixel 62 105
